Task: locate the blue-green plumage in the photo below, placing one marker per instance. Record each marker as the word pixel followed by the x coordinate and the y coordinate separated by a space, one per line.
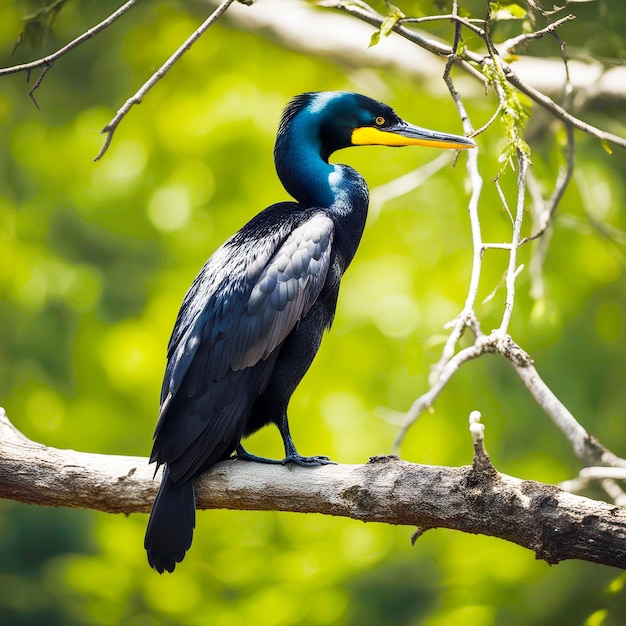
pixel 252 321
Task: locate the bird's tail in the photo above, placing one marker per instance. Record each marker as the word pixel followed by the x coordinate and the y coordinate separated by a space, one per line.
pixel 171 524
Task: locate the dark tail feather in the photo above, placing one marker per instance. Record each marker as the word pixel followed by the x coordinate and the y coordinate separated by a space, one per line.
pixel 171 524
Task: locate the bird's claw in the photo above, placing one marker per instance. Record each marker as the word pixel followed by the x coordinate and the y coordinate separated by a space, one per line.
pixel 242 454
pixel 307 461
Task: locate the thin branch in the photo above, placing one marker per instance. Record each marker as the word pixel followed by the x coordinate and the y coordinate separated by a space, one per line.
pixel 491 120
pixel 603 476
pixel 586 447
pixel 466 317
pixel 404 184
pixel 614 491
pixel 513 270
pixel 559 112
pixel 439 49
pixel 563 179
pixel 48 61
pixel 111 127
pixel 503 199
pixel 510 44
pixel 600 473
pixel 492 294
pixel 470 24
pixel 426 400
pixel 31 93
pixel 497 246
pixel 552 30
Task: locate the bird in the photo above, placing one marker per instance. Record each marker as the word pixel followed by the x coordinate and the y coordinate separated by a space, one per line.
pixel 252 321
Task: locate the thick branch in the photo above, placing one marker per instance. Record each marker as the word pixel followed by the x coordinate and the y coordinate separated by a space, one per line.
pixel 554 524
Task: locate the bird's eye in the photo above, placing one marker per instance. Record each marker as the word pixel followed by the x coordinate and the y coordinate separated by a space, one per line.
pixel 379 120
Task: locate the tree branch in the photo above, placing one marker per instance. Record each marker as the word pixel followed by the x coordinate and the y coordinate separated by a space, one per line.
pixel 510 45
pixel 48 61
pixel 465 61
pixel 299 26
pixel 111 127
pixel 554 524
pixel 586 447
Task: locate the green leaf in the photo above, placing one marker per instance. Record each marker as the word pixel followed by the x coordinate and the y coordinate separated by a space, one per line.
pixel 507 12
pixel 388 24
pixel 38 24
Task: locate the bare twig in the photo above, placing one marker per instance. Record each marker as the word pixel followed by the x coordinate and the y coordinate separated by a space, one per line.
pixel 496 246
pixel 404 184
pixel 513 270
pixel 470 24
pixel 482 463
pixel 614 491
pixel 491 120
pixel 466 317
pixel 606 476
pixel 48 61
pixel 111 127
pixel 503 199
pixel 585 446
pixel 562 181
pixel 426 400
pixel 551 29
pixel 600 473
pixel 559 112
pixel 510 44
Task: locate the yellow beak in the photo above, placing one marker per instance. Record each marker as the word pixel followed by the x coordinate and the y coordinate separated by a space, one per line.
pixel 404 134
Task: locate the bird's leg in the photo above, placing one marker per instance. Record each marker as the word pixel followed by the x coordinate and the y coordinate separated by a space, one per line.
pixel 291 454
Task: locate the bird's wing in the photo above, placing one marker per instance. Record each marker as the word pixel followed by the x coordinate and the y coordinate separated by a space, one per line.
pixel 234 323
pixel 284 292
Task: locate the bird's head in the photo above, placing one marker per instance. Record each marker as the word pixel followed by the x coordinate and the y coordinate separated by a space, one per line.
pixel 334 119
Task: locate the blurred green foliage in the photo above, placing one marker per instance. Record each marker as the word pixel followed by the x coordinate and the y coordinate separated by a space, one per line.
pixel 96 257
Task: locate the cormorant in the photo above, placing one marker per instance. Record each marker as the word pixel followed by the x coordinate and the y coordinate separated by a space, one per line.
pixel 252 321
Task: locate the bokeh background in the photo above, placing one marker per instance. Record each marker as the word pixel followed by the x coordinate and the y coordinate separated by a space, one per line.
pixel 96 257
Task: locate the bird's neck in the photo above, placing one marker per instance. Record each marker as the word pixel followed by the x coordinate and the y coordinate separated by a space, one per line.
pixel 338 190
pixel 301 169
pixel 302 165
